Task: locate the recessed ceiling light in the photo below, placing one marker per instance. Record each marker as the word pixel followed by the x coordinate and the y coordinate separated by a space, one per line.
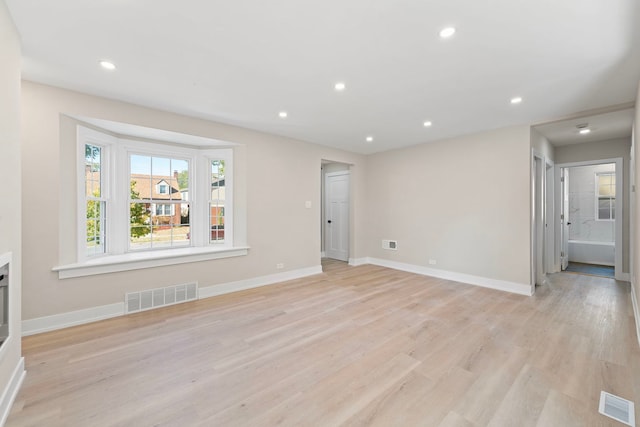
pixel 283 114
pixel 369 139
pixel 107 65
pixel 445 33
pixel 340 86
pixel 427 124
pixel 516 100
pixel 585 131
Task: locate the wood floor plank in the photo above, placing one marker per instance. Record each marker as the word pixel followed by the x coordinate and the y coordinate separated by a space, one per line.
pixel 353 346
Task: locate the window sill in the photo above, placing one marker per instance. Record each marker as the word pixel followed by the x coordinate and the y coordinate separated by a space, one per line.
pixel 150 259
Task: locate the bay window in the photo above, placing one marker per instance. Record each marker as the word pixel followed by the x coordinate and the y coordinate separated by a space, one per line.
pixel 136 197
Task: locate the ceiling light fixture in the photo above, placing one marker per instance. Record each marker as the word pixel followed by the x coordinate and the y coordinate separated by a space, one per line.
pixel 283 114
pixel 445 33
pixel 583 128
pixel 427 124
pixel 107 65
pixel 340 86
pixel 516 100
pixel 369 139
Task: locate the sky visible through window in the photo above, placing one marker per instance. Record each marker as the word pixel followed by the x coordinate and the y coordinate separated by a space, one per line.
pixel 160 166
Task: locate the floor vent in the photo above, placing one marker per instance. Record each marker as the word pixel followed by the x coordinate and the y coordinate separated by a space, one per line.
pixel 617 408
pixel 161 297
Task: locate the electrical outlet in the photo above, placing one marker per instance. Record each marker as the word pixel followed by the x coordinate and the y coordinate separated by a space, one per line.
pixel 432 262
pixel 279 266
pixel 390 245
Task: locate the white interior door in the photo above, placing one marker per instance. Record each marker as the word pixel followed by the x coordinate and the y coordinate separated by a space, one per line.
pixel 564 218
pixel 337 215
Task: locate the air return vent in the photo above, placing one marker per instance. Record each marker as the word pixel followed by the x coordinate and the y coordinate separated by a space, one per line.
pixel 160 297
pixel 617 408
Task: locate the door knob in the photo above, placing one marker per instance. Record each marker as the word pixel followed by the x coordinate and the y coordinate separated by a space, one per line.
pixel 329 221
pixel 568 223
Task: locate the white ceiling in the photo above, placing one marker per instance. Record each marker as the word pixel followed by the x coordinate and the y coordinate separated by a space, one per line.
pixel 241 62
pixel 604 126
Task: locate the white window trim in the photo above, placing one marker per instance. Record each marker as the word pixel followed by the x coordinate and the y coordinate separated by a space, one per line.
pixel 106 143
pixel 147 259
pixel 597 201
pixel 115 187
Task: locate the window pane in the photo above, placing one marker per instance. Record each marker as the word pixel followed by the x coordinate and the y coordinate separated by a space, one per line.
pixel 160 166
pixel 181 179
pixel 157 183
pixel 216 222
pixel 606 190
pixel 140 228
pixel 94 227
pixel 181 235
pixel 604 179
pixel 604 208
pixel 92 168
pixel 216 203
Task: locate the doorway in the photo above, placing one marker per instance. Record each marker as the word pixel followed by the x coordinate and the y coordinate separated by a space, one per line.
pixel 335 215
pixel 542 212
pixel 590 226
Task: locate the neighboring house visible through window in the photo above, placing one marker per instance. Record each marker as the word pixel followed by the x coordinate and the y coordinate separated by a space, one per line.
pixel 158 216
pixel 605 196
pixel 141 196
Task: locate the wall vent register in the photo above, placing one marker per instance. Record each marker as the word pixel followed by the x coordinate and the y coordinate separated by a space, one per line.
pixel 617 408
pixel 160 297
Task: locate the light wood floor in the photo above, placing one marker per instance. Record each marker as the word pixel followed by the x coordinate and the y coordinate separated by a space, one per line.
pixel 355 346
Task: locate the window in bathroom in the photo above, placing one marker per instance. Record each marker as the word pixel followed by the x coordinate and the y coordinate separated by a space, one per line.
pixel 605 196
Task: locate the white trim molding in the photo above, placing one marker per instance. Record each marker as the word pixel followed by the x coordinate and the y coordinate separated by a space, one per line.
pixel 485 282
pixel 71 318
pixel 146 259
pixel 11 390
pixel 636 310
pixel 354 262
pixel 94 314
pixel 256 282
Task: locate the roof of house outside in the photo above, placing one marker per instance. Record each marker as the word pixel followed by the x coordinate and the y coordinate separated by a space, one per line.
pixel 148 187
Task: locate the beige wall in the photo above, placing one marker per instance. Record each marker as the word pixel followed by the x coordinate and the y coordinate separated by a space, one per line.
pixel 10 218
pixel 274 175
pixel 605 150
pixel 464 202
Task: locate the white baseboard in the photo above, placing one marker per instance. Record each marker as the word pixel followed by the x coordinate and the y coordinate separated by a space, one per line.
pixel 71 318
pixel 11 390
pixel 485 282
pixel 323 254
pixel 241 285
pixel 636 310
pixel 623 277
pixel 93 314
pixel 354 262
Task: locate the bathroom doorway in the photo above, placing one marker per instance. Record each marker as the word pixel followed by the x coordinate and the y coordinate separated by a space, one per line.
pixel 591 217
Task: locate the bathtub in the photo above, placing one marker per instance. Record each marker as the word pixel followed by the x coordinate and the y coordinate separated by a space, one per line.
pixel 601 253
